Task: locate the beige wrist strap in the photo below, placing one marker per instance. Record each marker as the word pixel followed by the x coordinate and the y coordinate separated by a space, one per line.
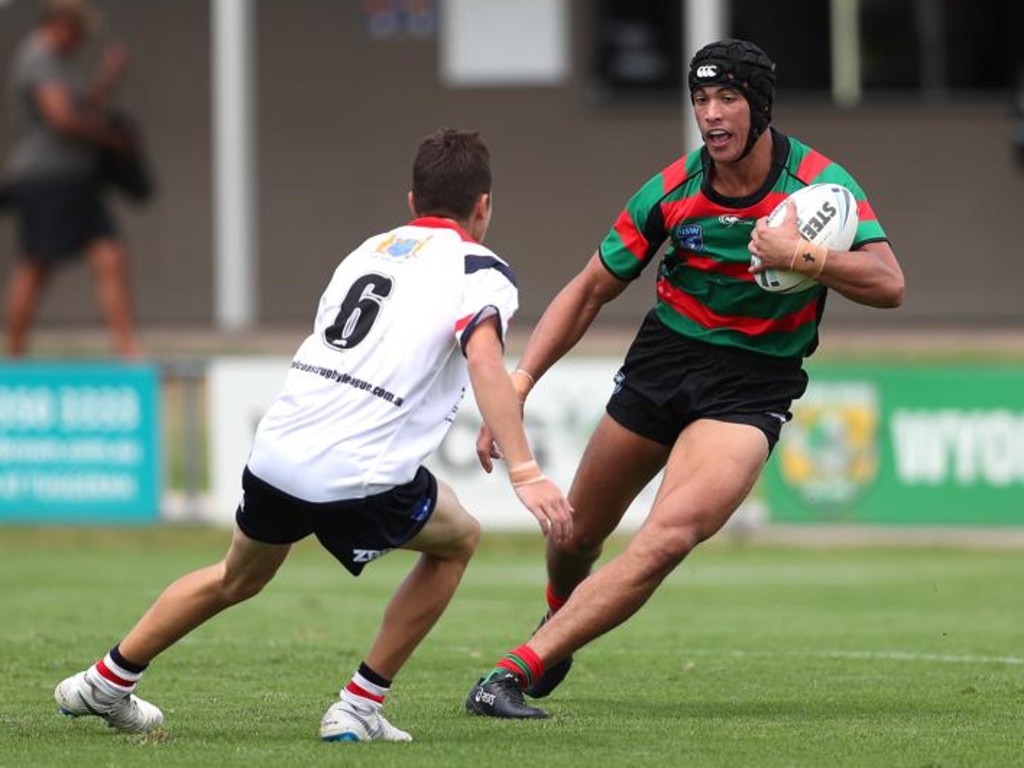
pixel 808 258
pixel 525 473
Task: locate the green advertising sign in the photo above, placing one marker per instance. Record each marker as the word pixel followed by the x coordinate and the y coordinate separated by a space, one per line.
pixel 903 445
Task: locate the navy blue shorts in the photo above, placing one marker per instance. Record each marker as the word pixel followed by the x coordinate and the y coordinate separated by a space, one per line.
pixel 58 219
pixel 355 531
pixel 668 381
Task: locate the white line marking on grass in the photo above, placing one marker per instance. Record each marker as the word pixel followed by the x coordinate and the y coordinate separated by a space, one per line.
pixel 941 658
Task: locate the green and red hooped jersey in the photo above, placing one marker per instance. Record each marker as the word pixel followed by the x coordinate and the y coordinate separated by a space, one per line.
pixel 704 289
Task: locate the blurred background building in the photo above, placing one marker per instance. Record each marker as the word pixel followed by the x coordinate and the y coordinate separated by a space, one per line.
pixel 579 100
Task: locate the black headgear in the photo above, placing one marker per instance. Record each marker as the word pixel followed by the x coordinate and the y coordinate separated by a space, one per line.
pixel 745 67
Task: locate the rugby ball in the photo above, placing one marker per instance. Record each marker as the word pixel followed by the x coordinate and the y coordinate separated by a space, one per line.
pixel 825 214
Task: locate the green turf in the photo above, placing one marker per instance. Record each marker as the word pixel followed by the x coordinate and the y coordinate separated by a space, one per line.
pixel 748 656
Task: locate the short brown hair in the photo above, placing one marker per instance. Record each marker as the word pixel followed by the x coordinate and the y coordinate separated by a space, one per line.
pixel 452 169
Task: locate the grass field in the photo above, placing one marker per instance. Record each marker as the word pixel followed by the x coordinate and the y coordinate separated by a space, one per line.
pixel 748 656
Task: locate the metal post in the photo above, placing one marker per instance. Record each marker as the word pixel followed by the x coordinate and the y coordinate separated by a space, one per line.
pixel 845 42
pixel 704 21
pixel 235 252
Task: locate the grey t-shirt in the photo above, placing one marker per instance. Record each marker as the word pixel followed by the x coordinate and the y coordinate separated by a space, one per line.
pixel 38 150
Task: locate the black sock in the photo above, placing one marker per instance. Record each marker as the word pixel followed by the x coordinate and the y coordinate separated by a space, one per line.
pixel 121 661
pixel 373 677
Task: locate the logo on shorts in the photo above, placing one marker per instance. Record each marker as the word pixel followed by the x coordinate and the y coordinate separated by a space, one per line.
pixel 422 510
pixel 620 377
pixel 367 555
pixel 690 237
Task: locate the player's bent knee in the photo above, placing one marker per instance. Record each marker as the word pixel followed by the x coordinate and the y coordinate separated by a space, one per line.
pixel 578 547
pixel 237 591
pixel 466 546
pixel 667 548
pixel 236 588
pixel 451 536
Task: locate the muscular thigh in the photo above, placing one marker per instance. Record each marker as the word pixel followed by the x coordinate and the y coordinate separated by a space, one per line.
pixel 447 528
pixel 615 467
pixel 249 560
pixel 712 468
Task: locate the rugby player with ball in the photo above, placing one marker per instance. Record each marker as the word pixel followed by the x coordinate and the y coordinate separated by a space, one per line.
pixel 708 382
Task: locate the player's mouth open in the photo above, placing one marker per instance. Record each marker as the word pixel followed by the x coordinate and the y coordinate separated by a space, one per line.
pixel 717 138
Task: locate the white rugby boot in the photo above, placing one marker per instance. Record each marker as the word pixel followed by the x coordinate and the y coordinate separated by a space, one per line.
pixel 342 723
pixel 77 698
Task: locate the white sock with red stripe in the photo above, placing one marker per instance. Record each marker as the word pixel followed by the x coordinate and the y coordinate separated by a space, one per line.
pixel 113 677
pixel 366 690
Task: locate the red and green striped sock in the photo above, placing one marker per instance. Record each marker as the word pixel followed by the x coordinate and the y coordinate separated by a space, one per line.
pixel 555 601
pixel 521 662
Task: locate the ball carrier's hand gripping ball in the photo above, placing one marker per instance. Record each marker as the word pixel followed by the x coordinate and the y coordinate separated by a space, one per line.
pixel 826 215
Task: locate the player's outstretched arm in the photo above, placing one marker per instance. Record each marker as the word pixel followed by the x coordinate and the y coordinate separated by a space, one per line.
pixel 486 446
pixel 562 325
pixel 501 410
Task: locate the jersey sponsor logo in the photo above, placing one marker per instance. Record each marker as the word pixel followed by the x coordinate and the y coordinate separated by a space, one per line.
pixel 367 555
pixel 690 237
pixel 728 220
pixel 401 247
pixel 707 70
pixel 450 418
pixel 356 383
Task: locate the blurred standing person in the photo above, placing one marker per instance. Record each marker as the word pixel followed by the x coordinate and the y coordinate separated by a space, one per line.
pixel 59 128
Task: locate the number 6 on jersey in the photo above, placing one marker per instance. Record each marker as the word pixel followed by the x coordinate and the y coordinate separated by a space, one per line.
pixel 359 310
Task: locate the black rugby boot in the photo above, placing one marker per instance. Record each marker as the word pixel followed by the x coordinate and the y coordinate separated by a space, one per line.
pixel 500 696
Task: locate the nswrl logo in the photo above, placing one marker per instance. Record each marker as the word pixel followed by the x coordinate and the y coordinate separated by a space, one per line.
pixel 690 237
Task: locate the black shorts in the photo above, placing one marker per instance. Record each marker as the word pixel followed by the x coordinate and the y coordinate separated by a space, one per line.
pixel 355 531
pixel 58 219
pixel 668 381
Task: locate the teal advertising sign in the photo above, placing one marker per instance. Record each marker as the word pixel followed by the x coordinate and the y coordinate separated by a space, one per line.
pixel 79 443
pixel 903 445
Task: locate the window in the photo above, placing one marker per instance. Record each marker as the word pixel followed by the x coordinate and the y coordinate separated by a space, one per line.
pixel 937 46
pixel 796 37
pixel 938 49
pixel 638 48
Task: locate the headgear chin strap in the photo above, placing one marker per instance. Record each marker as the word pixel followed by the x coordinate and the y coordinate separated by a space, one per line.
pixel 741 65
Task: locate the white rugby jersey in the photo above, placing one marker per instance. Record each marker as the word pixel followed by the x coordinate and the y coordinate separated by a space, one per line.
pixel 376 386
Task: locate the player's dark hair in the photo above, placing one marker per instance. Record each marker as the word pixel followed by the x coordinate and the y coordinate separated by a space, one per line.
pixel 742 65
pixel 452 169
